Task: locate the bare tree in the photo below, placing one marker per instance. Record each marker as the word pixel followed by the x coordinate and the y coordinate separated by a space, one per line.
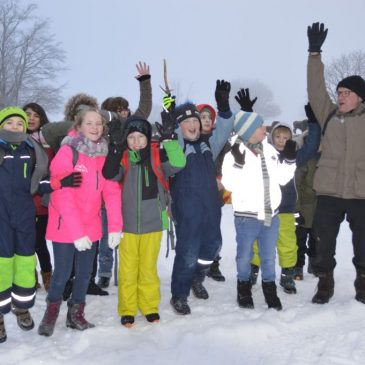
pixel 346 65
pixel 30 58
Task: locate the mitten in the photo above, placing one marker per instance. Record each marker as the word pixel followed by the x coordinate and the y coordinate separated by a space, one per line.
pixel 114 239
pixel 83 243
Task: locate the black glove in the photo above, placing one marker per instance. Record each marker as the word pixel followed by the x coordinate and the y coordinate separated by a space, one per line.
pixel 243 98
pixel 73 180
pixel 239 157
pixel 310 114
pixel 222 95
pixel 299 219
pixel 316 36
pixel 289 152
pixel 167 129
pixel 117 138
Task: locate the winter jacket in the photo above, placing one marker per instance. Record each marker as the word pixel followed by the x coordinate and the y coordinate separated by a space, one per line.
pixel 341 168
pixel 246 184
pixel 75 212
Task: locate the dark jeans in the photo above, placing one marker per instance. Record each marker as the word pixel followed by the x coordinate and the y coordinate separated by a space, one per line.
pixel 304 237
pixel 330 213
pixel 41 248
pixel 64 256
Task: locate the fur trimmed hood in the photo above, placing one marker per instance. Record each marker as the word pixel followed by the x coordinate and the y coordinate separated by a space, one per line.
pixel 73 104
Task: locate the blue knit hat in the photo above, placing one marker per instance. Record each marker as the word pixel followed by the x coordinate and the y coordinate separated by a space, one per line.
pixel 245 124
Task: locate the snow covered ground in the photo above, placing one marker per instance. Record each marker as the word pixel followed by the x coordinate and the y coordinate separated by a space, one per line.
pixel 217 331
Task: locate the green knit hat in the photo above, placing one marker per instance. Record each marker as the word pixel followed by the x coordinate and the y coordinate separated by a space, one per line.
pixel 12 111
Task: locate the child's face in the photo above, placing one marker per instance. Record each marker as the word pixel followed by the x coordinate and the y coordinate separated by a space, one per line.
pixel 33 119
pixel 190 128
pixel 136 141
pixel 92 126
pixel 207 122
pixel 258 136
pixel 279 139
pixel 14 124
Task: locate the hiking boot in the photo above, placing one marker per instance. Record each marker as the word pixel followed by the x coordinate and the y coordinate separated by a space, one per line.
pixel 68 289
pixel 325 288
pixel 127 321
pixel 254 273
pixel 271 298
pixel 199 290
pixel 180 305
pixel 360 287
pixel 75 317
pixel 298 273
pixel 49 319
pixel 3 336
pixel 103 282
pixel 287 281
pixel 214 272
pixel 46 278
pixel 94 289
pixel 244 294
pixel 23 318
pixel 153 317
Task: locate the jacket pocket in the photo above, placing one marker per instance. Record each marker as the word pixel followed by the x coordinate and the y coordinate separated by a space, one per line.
pixel 359 183
pixel 325 178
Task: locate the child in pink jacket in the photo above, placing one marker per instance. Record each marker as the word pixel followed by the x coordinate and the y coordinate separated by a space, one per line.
pixel 74 224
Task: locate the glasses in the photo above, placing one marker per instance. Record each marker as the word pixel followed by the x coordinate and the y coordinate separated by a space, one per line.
pixel 344 93
pixel 120 110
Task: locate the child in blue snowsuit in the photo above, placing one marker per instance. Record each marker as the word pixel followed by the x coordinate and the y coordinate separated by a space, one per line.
pixel 195 199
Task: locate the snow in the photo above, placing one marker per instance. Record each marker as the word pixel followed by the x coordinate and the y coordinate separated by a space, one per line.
pixel 217 331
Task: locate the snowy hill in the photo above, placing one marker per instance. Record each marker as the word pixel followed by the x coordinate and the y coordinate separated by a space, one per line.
pixel 217 331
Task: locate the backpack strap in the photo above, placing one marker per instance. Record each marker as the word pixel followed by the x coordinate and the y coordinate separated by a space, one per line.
pixel 330 115
pixel 156 165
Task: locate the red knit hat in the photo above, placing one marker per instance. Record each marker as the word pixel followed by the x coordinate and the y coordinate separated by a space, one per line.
pixel 201 108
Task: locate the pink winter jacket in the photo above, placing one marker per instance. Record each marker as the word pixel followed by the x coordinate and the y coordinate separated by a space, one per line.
pixel 75 212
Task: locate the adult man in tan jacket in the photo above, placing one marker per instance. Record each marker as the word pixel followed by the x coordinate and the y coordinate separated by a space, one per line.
pixel 340 177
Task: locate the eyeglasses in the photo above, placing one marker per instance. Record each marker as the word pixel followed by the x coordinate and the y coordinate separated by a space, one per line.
pixel 122 110
pixel 343 92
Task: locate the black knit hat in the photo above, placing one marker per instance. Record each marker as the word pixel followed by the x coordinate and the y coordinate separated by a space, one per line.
pixel 354 83
pixel 185 111
pixel 136 124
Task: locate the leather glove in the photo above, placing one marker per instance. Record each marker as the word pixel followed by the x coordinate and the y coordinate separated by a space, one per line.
pixel 239 157
pixel 73 180
pixel 83 243
pixel 114 239
pixel 167 129
pixel 290 150
pixel 222 91
pixel 168 103
pixel 244 100
pixel 310 114
pixel 316 36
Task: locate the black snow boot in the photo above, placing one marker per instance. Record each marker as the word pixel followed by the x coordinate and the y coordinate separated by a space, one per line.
pixel 127 321
pixel 103 282
pixel 298 273
pixel 49 319
pixel 75 317
pixel 199 290
pixel 325 288
pixel 23 318
pixel 287 280
pixel 271 297
pixel 94 289
pixel 214 272
pixel 360 286
pixel 244 295
pixel 254 273
pixel 153 317
pixel 3 336
pixel 180 305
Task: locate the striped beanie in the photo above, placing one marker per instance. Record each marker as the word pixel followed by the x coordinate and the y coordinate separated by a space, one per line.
pixel 245 124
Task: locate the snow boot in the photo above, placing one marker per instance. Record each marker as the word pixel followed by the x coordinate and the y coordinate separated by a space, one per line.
pixel 94 289
pixel 49 319
pixel 325 288
pixel 271 298
pixel 23 318
pixel 254 273
pixel 244 294
pixel 46 278
pixel 298 273
pixel 180 305
pixel 214 272
pixel 3 336
pixel 287 280
pixel 127 321
pixel 360 286
pixel 103 282
pixel 153 317
pixel 199 290
pixel 68 289
pixel 75 317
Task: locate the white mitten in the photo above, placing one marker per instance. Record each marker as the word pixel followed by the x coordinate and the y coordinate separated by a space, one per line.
pixel 83 243
pixel 114 239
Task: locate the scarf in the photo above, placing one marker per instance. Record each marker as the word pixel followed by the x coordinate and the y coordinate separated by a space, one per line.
pixel 12 137
pixel 83 145
pixel 258 150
